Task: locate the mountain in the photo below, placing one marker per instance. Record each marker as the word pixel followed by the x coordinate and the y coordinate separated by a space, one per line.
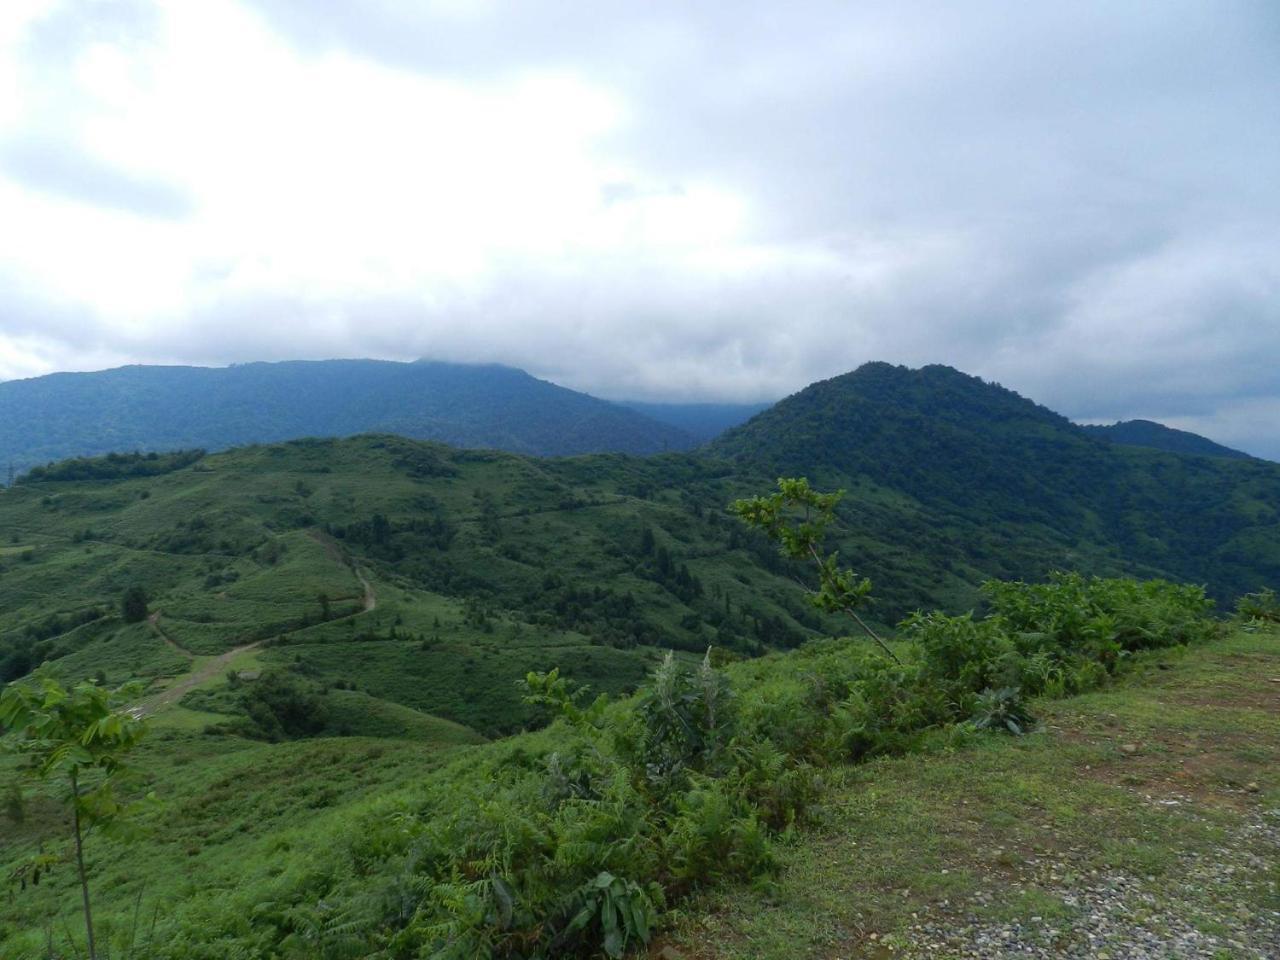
pixel 702 421
pixel 165 408
pixel 1147 433
pixel 978 476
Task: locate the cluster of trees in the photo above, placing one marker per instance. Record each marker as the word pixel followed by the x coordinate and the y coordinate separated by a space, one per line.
pixel 114 466
pixel 393 541
pixel 659 566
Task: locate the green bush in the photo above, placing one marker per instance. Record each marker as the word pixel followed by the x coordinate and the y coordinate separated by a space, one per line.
pixel 1262 607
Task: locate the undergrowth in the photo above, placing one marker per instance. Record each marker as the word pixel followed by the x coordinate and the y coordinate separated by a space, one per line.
pixel 572 842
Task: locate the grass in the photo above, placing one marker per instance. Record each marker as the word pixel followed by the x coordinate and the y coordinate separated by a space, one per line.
pixel 233 550
pixel 979 829
pixel 232 813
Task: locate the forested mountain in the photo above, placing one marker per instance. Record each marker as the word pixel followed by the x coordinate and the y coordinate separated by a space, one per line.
pixel 994 480
pixel 702 421
pixel 166 408
pixel 1147 433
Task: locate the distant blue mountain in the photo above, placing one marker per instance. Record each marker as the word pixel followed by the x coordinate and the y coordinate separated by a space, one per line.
pixel 168 408
pixel 1147 433
pixel 702 421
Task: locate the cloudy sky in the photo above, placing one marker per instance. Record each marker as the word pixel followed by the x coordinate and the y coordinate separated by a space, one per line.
pixel 721 200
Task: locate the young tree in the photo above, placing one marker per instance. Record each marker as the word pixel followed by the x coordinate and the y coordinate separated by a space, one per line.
pixel 78 737
pixel 796 518
pixel 133 605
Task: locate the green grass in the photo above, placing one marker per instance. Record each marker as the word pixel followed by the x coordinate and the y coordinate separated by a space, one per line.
pixel 233 814
pixel 957 826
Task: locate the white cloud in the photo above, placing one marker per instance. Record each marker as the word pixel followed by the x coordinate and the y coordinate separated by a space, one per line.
pixel 720 201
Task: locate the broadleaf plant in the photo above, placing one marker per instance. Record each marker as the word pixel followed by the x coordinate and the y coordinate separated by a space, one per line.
pixel 797 518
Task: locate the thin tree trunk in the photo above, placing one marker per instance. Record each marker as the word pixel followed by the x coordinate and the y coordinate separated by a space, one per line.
pixel 84 881
pixel 813 552
pixel 874 636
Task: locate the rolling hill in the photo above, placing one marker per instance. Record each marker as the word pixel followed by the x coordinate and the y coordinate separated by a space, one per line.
pixel 487 564
pixel 165 408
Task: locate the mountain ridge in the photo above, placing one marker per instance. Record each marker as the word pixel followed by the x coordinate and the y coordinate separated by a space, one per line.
pixel 149 408
pixel 1157 436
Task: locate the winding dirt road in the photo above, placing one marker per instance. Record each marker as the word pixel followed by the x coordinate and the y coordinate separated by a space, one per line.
pixel 149 706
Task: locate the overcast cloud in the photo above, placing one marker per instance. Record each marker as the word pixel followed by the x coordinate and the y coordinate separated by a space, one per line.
pixel 723 200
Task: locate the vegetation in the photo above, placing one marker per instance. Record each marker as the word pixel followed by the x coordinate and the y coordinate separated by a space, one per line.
pixel 983 479
pixel 574 839
pixel 166 408
pixel 114 466
pixel 1157 787
pixel 1145 433
pixel 80 736
pixel 1260 607
pixel 840 590
pixel 332 629
pixel 133 605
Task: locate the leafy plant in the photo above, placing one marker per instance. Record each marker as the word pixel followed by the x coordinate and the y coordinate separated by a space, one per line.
pixel 1003 710
pixel 797 518
pixel 683 721
pixel 79 736
pixel 1262 606
pixel 621 912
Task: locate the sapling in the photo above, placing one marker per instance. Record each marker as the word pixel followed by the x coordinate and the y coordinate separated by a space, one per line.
pixel 796 518
pixel 78 738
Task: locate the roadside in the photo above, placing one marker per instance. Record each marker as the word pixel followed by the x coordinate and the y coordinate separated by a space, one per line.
pixel 1139 822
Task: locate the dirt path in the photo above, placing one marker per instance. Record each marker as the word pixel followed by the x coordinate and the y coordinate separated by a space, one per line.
pixel 370 596
pixel 211 668
pixel 184 685
pixel 335 554
pixel 154 621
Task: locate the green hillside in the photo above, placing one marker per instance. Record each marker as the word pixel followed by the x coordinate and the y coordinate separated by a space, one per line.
pixel 486 564
pixel 480 566
pixel 330 630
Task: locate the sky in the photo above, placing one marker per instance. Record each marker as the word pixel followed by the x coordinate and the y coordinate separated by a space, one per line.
pixel 651 200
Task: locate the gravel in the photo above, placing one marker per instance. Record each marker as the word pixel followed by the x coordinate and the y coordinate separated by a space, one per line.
pixel 1114 916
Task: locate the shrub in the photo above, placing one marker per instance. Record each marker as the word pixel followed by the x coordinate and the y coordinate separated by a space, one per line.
pixel 133 605
pixel 1262 607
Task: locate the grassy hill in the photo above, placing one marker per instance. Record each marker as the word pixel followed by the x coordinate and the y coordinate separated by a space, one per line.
pixel 165 408
pixel 412 845
pixel 1140 820
pixel 484 565
pixel 480 565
